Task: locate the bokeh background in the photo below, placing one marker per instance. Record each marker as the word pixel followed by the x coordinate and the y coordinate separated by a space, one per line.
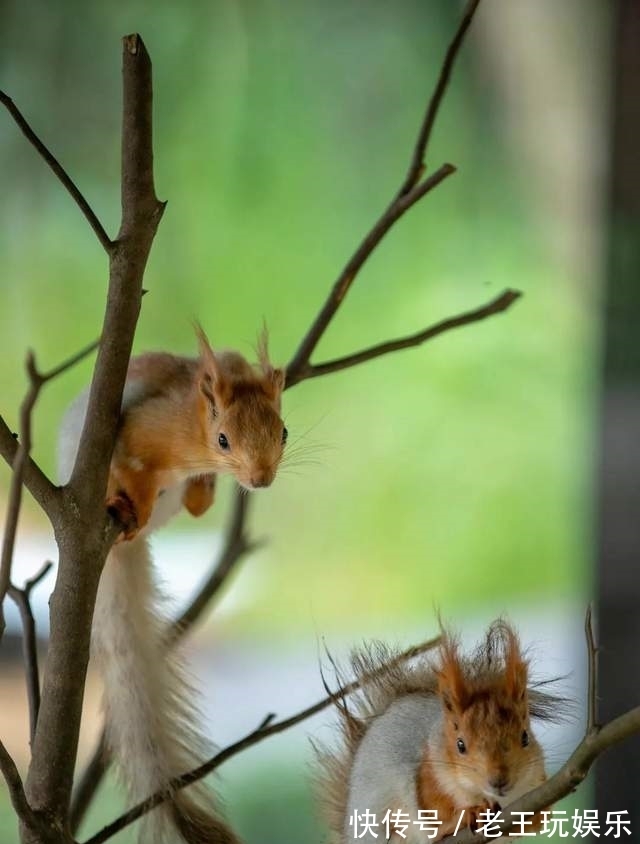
pixel 458 476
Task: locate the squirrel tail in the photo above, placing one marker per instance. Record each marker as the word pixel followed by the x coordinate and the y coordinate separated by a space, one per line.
pixel 148 700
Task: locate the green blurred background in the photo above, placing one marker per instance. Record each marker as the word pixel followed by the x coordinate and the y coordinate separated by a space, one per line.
pixel 456 475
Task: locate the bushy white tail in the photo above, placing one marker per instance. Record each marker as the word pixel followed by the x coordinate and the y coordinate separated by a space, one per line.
pixel 149 715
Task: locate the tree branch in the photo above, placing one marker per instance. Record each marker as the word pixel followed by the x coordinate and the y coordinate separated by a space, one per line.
pixel 59 170
pixel 393 212
pixel 495 306
pixel 24 470
pixel 267 727
pixel 236 546
pixel 16 789
pixel 417 166
pixel 85 532
pixel 21 598
pixel 592 680
pixel 410 191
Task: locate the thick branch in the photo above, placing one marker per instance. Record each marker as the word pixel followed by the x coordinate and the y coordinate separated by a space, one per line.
pixel 496 306
pixel 266 729
pixel 85 534
pixel 141 213
pixel 59 170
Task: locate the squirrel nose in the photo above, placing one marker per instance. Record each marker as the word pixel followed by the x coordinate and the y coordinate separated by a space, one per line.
pixel 260 479
pixel 499 782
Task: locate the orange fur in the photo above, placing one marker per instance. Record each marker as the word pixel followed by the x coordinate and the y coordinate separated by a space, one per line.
pixel 175 410
pixel 485 707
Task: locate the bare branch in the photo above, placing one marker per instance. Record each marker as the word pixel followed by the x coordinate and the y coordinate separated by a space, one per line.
pixel 266 729
pixel 495 306
pixel 410 191
pixel 16 789
pixel 592 688
pixel 141 214
pixel 83 549
pixel 89 782
pixel 416 168
pixel 21 598
pixel 59 170
pixel 23 467
pixel 348 275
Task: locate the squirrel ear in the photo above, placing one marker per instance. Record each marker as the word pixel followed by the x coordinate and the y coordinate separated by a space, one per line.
pixel 516 668
pixel 211 379
pixel 452 686
pixel 273 379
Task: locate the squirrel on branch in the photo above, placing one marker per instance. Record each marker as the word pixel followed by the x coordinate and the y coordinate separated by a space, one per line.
pixel 435 744
pixel 183 421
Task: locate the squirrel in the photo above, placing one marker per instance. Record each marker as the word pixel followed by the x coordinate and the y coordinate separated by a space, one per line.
pixel 183 421
pixel 435 744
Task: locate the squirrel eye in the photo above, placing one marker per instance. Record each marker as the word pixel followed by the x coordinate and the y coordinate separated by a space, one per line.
pixel 223 442
pixel 525 738
pixel 285 435
pixel 462 748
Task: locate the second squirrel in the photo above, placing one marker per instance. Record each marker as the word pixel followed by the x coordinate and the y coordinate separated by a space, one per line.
pixel 433 745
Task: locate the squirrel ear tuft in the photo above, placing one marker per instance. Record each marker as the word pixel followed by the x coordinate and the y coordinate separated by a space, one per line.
pixel 452 686
pixel 516 669
pixel 273 378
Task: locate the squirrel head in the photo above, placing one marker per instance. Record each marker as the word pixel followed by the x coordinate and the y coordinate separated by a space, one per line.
pixel 240 413
pixel 489 748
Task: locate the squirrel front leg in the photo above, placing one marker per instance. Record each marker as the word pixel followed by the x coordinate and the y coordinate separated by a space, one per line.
pixel 131 496
pixel 199 494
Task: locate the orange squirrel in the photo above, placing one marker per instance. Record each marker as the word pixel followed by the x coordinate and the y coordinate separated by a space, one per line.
pixel 184 420
pixel 435 745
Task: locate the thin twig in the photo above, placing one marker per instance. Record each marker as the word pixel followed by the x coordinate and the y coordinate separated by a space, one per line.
pixel 592 664
pixel 59 171
pixel 495 306
pixel 266 728
pixel 416 168
pixel 341 287
pixel 410 191
pixel 21 598
pixel 236 545
pixel 90 779
pixel 15 786
pixel 21 461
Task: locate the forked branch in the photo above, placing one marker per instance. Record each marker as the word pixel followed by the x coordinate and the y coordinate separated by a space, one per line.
pixel 411 190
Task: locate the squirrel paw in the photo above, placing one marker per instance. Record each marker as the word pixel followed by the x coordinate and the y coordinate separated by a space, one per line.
pixel 121 508
pixel 474 811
